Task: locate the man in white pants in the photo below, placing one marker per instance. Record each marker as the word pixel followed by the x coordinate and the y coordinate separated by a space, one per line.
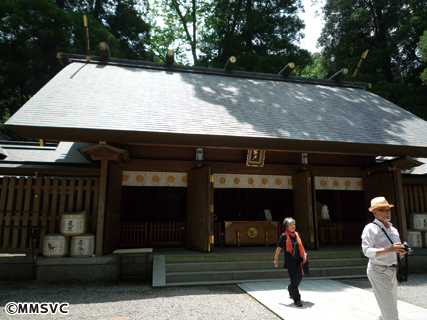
pixel 382 266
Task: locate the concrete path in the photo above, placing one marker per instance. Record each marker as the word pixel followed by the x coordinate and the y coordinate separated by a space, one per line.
pixel 324 300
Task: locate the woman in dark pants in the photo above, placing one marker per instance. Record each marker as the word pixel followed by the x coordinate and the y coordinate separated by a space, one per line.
pixel 295 257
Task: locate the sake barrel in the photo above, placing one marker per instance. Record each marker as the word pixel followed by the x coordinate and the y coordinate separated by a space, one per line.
pixel 73 224
pixel 414 239
pixel 55 245
pixel 418 221
pixel 82 245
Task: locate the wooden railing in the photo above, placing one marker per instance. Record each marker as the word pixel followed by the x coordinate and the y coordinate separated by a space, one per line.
pixel 140 234
pixel 171 233
pixel 339 232
pixel 133 234
pixel 28 203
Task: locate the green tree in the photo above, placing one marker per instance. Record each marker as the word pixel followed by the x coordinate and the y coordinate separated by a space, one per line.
pixel 314 69
pixel 32 32
pixel 124 19
pixel 263 35
pixel 423 51
pixel 390 29
pixel 180 21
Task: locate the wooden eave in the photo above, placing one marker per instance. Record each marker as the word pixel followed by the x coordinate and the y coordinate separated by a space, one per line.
pixel 391 165
pixel 198 140
pixel 106 152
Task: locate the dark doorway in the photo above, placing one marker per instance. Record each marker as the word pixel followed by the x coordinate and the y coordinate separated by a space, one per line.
pixel 154 204
pixel 346 216
pixel 343 205
pixel 249 204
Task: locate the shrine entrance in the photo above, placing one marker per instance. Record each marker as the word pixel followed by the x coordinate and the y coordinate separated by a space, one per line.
pixel 340 210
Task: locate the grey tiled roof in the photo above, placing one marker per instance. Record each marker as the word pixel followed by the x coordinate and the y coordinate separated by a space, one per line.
pixel 107 97
pixel 63 153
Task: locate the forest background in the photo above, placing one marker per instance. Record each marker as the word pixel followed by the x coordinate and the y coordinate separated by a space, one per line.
pixel 263 35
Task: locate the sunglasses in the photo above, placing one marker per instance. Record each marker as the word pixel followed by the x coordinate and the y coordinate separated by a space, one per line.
pixel 383 210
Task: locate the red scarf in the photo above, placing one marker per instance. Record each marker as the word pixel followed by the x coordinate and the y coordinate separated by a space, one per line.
pixel 289 244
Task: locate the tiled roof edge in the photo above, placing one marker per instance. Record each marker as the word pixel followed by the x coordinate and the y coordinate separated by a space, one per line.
pixel 69 57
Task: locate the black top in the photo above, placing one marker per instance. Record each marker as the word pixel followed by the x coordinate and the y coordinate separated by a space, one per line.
pixel 292 260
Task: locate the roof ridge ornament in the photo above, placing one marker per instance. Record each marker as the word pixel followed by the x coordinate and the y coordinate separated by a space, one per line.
pixel 67 58
pixel 229 66
pixel 286 71
pixel 104 51
pixel 88 58
pixel 339 75
pixel 170 57
pixel 364 54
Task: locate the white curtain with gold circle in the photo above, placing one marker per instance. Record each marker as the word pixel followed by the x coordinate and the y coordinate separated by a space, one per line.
pixel 338 183
pixel 154 179
pixel 179 179
pixel 252 181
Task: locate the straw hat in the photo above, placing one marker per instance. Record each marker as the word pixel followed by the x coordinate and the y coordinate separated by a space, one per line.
pixel 379 202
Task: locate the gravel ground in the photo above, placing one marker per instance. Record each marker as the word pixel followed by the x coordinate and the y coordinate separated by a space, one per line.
pixel 136 301
pixel 414 291
pixel 140 301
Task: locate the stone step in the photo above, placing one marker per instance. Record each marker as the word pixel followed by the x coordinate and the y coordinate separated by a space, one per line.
pixel 257 265
pixel 232 265
pixel 210 257
pixel 262 274
pixel 201 283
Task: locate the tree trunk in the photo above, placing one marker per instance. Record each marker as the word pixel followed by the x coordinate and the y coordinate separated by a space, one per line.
pixel 383 44
pixel 194 41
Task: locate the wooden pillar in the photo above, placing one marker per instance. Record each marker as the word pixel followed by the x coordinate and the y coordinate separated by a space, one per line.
pixel 304 213
pixel 101 207
pixel 105 154
pixel 400 205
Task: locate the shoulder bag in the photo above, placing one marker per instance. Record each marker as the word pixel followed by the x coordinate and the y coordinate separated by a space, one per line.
pixel 402 271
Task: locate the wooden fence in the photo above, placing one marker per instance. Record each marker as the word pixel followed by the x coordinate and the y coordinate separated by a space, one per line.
pixel 28 203
pixel 415 198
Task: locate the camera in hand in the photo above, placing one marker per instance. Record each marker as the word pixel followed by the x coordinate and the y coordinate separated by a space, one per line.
pixel 407 248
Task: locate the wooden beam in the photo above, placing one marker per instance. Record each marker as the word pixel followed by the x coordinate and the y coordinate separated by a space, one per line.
pixel 239 168
pixel 215 141
pixel 400 205
pixel 101 208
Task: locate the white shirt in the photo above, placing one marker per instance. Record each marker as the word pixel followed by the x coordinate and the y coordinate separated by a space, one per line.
pixel 373 238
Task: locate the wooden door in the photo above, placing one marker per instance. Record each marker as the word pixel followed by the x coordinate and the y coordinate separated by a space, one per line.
pixel 200 210
pixel 112 209
pixel 303 208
